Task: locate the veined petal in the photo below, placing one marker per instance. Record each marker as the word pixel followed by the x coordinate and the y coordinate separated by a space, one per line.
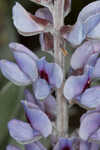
pixel 82 53
pixel 89 125
pixel 12 72
pixel 41 89
pixel 21 131
pixel 44 13
pixel 74 86
pixel 38 119
pixel 21 48
pixel 91 97
pixel 12 147
pixel 27 64
pixel 25 23
pixel 35 146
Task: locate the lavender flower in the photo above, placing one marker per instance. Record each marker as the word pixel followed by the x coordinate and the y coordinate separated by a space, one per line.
pixel 30 132
pixel 32 70
pixel 48 105
pixel 78 88
pixel 26 23
pixel 86 26
pixel 90 123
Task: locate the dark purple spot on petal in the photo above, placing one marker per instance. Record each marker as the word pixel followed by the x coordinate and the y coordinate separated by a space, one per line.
pixel 28 120
pixel 66 148
pixel 44 75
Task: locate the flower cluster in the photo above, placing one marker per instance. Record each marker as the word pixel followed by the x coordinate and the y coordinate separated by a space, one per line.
pixel 87 25
pixel 40 106
pixel 32 70
pixel 79 87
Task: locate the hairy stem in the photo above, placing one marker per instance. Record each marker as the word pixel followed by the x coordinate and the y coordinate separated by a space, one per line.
pixel 62 111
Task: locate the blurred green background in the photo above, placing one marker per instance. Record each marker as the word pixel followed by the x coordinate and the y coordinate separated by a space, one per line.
pixel 10 95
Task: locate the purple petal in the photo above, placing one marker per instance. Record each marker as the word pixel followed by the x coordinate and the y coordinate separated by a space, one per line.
pixel 91 97
pixel 24 22
pixel 63 144
pixel 30 98
pixel 74 86
pixel 84 145
pixel 44 13
pixel 35 146
pixel 96 72
pixel 53 71
pixel 41 93
pixel 56 74
pixel 89 125
pixel 90 16
pixel 13 73
pixel 88 146
pixel 38 119
pixel 26 63
pixel 50 107
pixel 21 48
pixel 90 64
pixel 82 53
pixel 87 24
pixel 21 131
pixel 11 147
pixel 95 146
pixel 76 34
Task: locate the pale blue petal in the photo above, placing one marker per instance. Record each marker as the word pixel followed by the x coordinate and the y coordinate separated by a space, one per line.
pixel 50 107
pixel 74 86
pixel 96 71
pixel 24 22
pixel 21 131
pixel 21 48
pixel 91 97
pixel 27 64
pixel 81 55
pixel 56 75
pixel 39 120
pixel 13 73
pixel 41 89
pixel 12 147
pixel 89 125
pixel 35 146
pixel 84 145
